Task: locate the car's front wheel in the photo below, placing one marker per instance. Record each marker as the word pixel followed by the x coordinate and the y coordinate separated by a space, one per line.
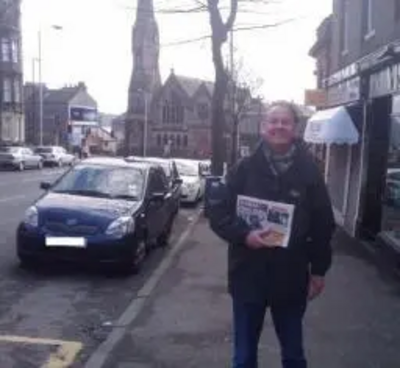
pixel 134 264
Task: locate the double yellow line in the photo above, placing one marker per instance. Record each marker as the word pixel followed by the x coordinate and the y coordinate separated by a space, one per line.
pixel 62 358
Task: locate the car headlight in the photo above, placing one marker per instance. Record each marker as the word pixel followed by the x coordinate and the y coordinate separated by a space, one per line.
pixel 31 217
pixel 121 226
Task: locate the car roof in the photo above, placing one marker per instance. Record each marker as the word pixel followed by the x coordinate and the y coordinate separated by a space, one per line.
pixel 117 162
pixel 153 159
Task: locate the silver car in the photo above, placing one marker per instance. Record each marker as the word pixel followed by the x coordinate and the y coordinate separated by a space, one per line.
pixel 55 156
pixel 20 158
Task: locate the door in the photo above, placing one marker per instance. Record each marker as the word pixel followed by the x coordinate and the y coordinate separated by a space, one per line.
pixel 156 209
pixel 29 158
pixel 378 129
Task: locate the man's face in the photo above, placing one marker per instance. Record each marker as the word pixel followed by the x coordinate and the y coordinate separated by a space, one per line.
pixel 279 127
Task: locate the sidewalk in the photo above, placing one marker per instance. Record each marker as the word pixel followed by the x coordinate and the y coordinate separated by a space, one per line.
pixel 187 320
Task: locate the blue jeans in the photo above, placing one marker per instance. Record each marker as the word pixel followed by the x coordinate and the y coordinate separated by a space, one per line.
pixel 248 324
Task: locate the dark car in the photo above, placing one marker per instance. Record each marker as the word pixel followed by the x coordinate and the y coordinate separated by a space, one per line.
pixel 172 174
pixel 102 210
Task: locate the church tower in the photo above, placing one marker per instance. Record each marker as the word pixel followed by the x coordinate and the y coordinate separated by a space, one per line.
pixel 145 79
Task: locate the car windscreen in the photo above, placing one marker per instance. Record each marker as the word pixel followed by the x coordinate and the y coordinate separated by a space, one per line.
pixel 9 149
pixel 103 182
pixel 44 150
pixel 187 169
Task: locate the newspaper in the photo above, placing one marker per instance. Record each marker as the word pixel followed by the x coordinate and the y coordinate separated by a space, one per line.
pixel 273 217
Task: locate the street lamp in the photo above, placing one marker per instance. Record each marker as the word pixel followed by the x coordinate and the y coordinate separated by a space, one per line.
pixel 40 59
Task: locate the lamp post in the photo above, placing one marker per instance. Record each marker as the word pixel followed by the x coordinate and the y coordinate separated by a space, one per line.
pixel 146 123
pixel 40 60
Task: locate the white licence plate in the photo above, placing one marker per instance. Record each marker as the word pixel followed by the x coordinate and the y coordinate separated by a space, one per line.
pixel 65 242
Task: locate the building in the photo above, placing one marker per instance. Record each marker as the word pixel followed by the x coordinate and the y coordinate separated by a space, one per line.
pixel 68 113
pixel 359 123
pixel 11 102
pixel 173 118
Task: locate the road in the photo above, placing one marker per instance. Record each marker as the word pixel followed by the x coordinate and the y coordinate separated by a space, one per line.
pixel 68 309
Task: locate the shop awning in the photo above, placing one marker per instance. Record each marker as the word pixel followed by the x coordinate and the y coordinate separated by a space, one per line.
pixel 333 126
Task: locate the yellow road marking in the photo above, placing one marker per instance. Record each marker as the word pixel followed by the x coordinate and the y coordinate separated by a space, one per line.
pixel 62 358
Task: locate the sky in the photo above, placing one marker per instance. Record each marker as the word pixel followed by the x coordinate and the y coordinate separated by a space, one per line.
pixel 94 45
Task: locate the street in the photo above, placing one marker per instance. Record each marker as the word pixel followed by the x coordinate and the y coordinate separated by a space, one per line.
pixel 50 316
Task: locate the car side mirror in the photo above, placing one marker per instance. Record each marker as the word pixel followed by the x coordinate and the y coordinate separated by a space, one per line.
pixel 45 185
pixel 178 181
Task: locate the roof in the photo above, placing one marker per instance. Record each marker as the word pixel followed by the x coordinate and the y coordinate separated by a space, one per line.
pixel 191 85
pixel 117 162
pixel 61 95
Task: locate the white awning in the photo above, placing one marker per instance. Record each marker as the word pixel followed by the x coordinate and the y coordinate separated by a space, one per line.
pixel 333 126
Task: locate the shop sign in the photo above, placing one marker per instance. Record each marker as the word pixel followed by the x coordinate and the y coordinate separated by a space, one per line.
pixel 348 72
pixel 385 82
pixel 344 92
pixel 315 97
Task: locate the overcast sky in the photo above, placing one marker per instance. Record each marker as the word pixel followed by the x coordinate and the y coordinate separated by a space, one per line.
pixel 95 45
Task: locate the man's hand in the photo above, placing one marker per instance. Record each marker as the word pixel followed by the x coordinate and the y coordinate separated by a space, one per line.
pixel 316 286
pixel 256 240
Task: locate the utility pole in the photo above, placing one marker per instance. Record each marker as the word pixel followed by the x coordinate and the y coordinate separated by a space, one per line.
pixel 146 123
pixel 40 88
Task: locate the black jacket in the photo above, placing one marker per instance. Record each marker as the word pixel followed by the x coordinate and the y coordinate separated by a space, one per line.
pixel 278 275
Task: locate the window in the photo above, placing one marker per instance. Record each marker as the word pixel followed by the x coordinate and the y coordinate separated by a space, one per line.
pixel 165 139
pixel 344 29
pixel 202 111
pixel 5 50
pixel 172 140
pixel 157 182
pixel 397 10
pixel 158 140
pixel 368 18
pixel 7 90
pixel 185 141
pixel 173 113
pixel 17 91
pixel 14 51
pixel 178 141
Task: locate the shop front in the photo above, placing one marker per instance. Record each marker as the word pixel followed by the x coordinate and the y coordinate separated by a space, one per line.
pixel 380 204
pixel 338 128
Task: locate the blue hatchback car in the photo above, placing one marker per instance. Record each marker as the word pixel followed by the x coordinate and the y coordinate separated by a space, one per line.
pixel 103 210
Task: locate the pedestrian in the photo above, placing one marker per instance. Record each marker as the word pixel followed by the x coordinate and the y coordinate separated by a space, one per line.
pixel 261 275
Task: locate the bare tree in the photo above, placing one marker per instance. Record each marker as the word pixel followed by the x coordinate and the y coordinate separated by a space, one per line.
pixel 241 95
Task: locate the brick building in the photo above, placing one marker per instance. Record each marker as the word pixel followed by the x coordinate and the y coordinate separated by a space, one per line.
pixel 11 102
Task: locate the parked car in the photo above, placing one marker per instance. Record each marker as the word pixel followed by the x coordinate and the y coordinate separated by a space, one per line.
pixel 55 156
pixel 19 158
pixel 102 210
pixel 171 172
pixel 392 192
pixel 193 183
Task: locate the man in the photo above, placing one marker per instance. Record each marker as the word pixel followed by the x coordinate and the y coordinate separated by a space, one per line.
pixel 264 276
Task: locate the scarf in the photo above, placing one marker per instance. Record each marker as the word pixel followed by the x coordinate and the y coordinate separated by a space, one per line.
pixel 279 163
